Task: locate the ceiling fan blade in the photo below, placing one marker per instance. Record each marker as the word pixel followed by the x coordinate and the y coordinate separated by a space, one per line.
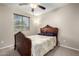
pixel 42 7
pixel 23 3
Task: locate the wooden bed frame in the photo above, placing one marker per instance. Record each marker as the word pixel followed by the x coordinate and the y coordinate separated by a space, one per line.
pixel 23 44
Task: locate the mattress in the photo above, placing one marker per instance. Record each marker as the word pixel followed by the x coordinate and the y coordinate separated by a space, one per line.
pixel 42 44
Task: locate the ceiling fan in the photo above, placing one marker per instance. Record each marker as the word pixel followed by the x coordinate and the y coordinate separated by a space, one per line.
pixel 33 6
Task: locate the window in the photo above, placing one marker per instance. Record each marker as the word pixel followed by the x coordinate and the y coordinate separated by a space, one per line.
pixel 21 22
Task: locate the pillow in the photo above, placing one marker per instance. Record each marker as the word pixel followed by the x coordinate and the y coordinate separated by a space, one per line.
pixel 48 34
pixel 51 34
pixel 44 33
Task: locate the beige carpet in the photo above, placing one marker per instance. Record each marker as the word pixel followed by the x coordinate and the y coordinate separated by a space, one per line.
pixel 61 51
pixel 58 51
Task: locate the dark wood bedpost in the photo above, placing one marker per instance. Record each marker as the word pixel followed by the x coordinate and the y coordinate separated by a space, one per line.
pixel 57 36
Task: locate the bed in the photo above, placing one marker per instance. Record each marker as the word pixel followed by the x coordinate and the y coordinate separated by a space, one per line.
pixel 37 45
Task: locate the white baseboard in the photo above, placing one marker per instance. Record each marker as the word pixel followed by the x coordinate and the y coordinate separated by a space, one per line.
pixel 69 47
pixel 7 46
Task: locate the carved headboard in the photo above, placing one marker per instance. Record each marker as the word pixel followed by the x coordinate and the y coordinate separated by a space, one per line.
pixel 48 28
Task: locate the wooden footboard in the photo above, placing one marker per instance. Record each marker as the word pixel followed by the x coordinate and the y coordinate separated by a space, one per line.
pixel 22 44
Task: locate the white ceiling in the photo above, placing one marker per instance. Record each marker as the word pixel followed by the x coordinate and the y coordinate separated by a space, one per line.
pixel 38 11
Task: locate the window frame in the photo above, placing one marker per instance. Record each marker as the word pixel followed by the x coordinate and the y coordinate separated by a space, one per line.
pixel 25 28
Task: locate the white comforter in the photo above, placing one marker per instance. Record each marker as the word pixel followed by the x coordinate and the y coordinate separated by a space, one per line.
pixel 42 44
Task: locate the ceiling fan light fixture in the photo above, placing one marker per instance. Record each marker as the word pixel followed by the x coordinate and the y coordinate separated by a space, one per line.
pixel 33 5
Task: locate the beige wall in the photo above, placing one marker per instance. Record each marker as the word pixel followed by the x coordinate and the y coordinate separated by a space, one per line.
pixel 67 20
pixel 7 25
